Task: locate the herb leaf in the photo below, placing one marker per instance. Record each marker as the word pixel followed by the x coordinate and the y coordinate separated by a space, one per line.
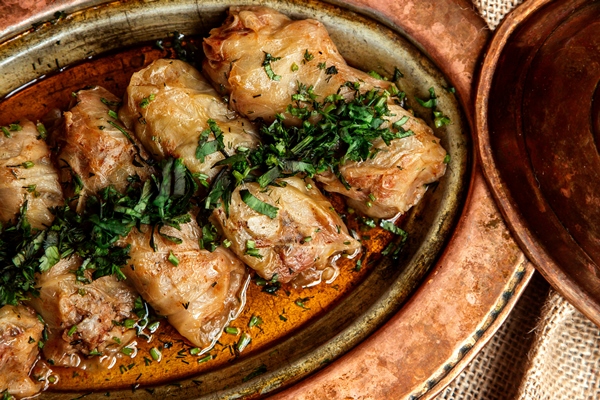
pixel 258 205
pixel 268 68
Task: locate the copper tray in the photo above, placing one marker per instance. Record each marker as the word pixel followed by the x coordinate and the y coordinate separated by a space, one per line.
pixel 472 284
pixel 538 121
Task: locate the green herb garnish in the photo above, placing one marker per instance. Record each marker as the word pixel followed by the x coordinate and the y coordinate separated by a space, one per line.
pixel 251 249
pixel 268 68
pixel 258 205
pixel 172 259
pixel 255 320
pixel 232 330
pixel 308 56
pixel 155 354
pixel 146 100
pixel 243 342
pixel 206 147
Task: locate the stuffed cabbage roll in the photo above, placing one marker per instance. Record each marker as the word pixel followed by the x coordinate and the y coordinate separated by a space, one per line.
pixel 204 291
pixel 168 104
pixel 27 175
pixel 301 239
pixel 81 317
pixel 261 58
pixel 61 302
pixel 396 178
pixel 199 291
pixel 20 332
pixel 94 149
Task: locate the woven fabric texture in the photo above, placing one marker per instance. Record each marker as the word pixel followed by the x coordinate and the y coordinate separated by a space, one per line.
pixel 493 11
pixel 565 359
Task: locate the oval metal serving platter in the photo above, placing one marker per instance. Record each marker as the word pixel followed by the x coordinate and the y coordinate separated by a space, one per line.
pixel 538 121
pixel 417 345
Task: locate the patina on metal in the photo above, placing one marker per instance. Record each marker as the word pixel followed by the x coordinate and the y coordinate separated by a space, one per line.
pixel 538 127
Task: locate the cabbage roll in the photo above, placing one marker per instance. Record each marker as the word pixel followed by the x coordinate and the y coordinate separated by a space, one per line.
pixel 301 239
pixel 27 175
pixel 94 149
pixel 60 302
pixel 395 179
pixel 81 317
pixel 238 54
pixel 168 104
pixel 204 291
pixel 20 332
pixel 199 291
pixel 261 58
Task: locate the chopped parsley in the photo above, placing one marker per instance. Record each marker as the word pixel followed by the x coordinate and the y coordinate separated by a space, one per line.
pixel 206 147
pixel 155 354
pixel 72 331
pixel 345 131
pixel 232 330
pixel 128 351
pixel 204 359
pixel 95 352
pixel 146 100
pixel 268 67
pixel 173 259
pixel 110 103
pixel 301 302
pixel 391 227
pixel 376 75
pixel 113 114
pixel 251 249
pixel 308 56
pixel 331 70
pixel 258 205
pixel 439 119
pixel 243 342
pixel 255 320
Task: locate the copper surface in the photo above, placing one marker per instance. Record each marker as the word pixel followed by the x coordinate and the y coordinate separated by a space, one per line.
pixel 441 320
pixel 476 281
pixel 540 153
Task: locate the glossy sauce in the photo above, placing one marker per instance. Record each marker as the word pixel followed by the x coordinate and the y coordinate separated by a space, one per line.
pixel 283 313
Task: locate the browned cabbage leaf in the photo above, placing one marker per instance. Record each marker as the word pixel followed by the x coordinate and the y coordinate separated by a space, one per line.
pixel 27 174
pixel 200 295
pixel 301 239
pixel 80 317
pixel 94 148
pixel 235 53
pixel 168 105
pixel 396 178
pixel 20 331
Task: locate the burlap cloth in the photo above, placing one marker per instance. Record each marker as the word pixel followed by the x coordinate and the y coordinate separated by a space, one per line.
pixel 546 349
